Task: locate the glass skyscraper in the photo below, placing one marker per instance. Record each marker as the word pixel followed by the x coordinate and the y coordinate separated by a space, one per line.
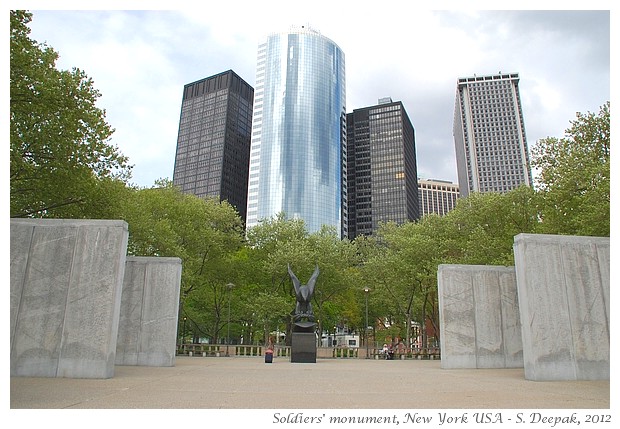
pixel 213 145
pixel 382 170
pixel 489 134
pixel 298 130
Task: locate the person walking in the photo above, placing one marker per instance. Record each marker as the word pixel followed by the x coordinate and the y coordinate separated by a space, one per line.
pixel 269 351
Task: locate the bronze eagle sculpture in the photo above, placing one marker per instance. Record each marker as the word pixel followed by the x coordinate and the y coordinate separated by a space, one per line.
pixel 303 293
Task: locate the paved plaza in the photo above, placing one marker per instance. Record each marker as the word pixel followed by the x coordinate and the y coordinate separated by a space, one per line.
pixel 250 383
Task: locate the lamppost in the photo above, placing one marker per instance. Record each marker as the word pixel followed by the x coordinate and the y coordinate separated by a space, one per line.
pixel 183 337
pixel 366 291
pixel 230 286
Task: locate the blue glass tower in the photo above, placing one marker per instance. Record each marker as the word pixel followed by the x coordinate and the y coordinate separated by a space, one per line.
pixel 298 131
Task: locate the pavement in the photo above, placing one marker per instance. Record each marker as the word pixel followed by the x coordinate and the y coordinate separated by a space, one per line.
pixel 234 383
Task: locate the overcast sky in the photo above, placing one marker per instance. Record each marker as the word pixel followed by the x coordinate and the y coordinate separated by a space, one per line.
pixel 140 60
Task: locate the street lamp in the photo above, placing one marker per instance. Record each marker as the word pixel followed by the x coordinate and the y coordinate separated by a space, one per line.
pixel 230 286
pixel 366 291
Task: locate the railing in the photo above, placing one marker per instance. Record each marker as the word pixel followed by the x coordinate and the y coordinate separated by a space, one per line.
pixel 337 353
pixel 201 350
pixel 220 350
pixel 431 353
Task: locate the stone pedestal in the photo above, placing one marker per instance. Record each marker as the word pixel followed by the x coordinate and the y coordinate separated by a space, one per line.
pixel 303 343
pixel 303 347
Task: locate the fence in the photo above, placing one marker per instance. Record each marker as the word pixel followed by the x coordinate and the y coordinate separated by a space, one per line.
pixel 221 350
pixel 218 350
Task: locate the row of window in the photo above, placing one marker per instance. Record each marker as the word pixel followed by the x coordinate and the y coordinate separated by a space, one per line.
pixel 378 110
pixel 443 188
pixel 191 165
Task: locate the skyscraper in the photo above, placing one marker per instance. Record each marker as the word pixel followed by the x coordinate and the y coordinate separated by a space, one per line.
pixel 489 134
pixel 382 182
pixel 213 144
pixel 437 196
pixel 298 130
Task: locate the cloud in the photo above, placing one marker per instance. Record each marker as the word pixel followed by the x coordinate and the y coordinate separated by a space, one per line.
pixel 140 61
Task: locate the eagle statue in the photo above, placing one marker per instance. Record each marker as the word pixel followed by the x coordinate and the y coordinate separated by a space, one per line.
pixel 303 293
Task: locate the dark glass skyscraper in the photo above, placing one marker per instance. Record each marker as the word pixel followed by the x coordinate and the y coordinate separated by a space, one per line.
pixel 298 131
pixel 382 182
pixel 213 145
pixel 489 134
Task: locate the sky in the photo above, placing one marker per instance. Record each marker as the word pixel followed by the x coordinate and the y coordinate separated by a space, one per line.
pixel 140 61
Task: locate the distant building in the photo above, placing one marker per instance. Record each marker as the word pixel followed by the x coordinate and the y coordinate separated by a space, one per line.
pixel 489 134
pixel 381 168
pixel 213 144
pixel 342 337
pixel 298 134
pixel 437 196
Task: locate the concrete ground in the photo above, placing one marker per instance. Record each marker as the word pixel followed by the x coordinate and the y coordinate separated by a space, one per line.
pixel 249 383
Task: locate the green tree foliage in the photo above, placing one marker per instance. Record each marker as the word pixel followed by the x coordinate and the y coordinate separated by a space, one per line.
pixel 410 255
pixel 340 290
pixel 205 233
pixel 403 269
pixel 273 244
pixel 278 242
pixel 481 228
pixel 59 140
pixel 575 177
pixel 264 312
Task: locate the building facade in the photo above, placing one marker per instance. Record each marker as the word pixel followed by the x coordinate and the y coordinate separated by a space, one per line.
pixel 298 130
pixel 437 196
pixel 213 144
pixel 489 134
pixel 381 168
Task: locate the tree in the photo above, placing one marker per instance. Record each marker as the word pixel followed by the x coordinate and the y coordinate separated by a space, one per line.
pixel 278 242
pixel 402 269
pixel 205 233
pixel 481 228
pixel 575 177
pixel 264 312
pixel 338 300
pixel 59 139
pixel 404 274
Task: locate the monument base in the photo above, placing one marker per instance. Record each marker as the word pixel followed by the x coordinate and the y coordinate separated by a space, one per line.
pixel 303 347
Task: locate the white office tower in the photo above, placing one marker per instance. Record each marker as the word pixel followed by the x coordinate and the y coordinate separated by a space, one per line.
pixel 489 135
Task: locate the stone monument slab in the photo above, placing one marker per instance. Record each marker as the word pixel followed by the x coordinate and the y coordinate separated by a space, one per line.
pixel 147 332
pixel 479 317
pixel 66 278
pixel 563 288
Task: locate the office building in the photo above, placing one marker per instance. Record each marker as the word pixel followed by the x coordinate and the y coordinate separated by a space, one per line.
pixel 437 196
pixel 213 144
pixel 298 130
pixel 489 134
pixel 381 168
